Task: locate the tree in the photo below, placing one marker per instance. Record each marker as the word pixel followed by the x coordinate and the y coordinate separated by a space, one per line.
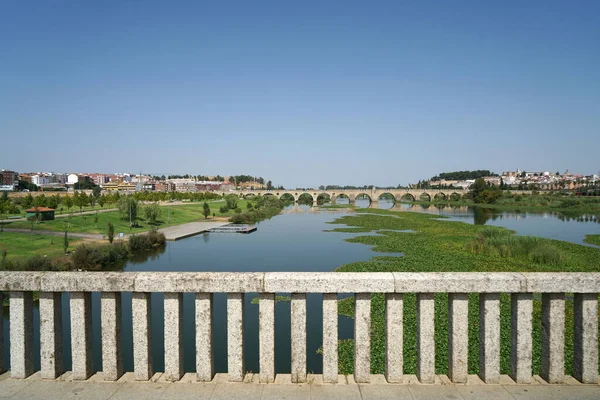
pixel 484 194
pixel 206 210
pixel 128 208
pixel 152 212
pixel 101 201
pixel 269 185
pixel 68 202
pixel 66 242
pixel 232 201
pixel 28 201
pixel 111 232
pixel 96 191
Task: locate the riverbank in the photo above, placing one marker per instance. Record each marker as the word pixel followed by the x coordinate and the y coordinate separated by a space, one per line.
pixel 592 239
pixel 97 224
pixel 431 244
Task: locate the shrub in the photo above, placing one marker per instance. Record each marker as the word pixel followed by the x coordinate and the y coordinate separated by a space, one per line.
pixel 146 241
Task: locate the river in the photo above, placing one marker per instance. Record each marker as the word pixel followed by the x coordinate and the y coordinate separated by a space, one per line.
pixel 293 241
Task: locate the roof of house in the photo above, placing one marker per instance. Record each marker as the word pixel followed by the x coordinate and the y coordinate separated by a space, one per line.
pixel 39 209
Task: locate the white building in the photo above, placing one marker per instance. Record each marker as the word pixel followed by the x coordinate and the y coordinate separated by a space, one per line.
pixel 72 179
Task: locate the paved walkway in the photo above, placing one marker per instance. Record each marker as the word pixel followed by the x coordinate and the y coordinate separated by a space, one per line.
pixel 190 229
pixel 95 236
pixel 94 388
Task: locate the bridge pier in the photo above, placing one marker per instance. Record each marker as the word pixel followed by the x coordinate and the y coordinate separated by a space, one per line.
pixel 374 203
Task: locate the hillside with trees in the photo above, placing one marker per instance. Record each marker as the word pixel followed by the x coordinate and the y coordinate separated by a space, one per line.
pixel 463 175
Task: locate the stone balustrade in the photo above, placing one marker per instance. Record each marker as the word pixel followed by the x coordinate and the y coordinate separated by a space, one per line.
pixel 522 287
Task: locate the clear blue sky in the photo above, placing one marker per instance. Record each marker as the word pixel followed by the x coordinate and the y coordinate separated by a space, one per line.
pixel 300 92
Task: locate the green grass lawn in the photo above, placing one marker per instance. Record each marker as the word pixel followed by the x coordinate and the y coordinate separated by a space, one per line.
pixel 19 245
pixel 171 215
pixel 435 245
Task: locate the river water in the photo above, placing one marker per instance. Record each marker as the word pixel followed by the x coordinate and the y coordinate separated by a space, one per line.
pixel 293 241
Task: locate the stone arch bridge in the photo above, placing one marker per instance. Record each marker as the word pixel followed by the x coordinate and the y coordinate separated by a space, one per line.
pixel 372 194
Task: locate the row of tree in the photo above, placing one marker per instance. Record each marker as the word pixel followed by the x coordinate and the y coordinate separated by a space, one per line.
pixel 463 175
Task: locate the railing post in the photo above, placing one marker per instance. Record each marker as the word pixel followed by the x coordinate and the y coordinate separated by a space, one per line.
pixel 298 326
pixel 266 321
pixel 458 336
pixel 330 337
pixel 393 337
pixel 173 336
pixel 21 334
pixel 51 335
pixel 521 339
pixel 362 337
pixel 489 337
pixel 425 337
pixel 81 334
pixel 204 351
pixel 235 337
pixel 585 357
pixel 1 336
pixel 112 348
pixel 141 309
pixel 553 337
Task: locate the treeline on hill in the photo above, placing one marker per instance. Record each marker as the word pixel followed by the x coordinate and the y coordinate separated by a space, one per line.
pixel 264 207
pixel 88 256
pixel 463 175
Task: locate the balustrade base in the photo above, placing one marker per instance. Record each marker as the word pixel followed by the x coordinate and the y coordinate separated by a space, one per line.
pixel 250 389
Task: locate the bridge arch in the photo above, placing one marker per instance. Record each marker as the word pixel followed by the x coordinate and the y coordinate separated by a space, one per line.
pixel 287 196
pixel 454 196
pixel 407 197
pixel 425 197
pixel 439 196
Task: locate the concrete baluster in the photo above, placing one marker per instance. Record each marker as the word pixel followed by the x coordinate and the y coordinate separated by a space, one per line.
pixel 141 308
pixel 585 357
pixel 235 336
pixel 298 326
pixel 425 338
pixel 204 351
pixel 330 337
pixel 266 322
pixel 173 336
pixel 21 334
pixel 362 337
pixel 458 336
pixel 489 337
pixel 553 337
pixel 521 339
pixel 1 338
pixel 51 360
pixel 81 334
pixel 393 337
pixel 112 342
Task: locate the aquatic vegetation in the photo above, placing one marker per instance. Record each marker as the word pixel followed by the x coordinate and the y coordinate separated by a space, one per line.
pixel 438 245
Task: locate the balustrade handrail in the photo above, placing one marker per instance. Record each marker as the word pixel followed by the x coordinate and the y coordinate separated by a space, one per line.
pixel 585 287
pixel 303 282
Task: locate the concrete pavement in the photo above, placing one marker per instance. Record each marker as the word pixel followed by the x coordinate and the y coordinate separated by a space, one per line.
pixel 158 388
pixel 190 229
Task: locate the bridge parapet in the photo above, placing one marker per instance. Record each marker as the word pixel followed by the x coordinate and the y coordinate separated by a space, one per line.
pixel 552 287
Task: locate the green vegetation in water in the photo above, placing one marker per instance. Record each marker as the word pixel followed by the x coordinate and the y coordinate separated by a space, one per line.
pixel 443 246
pixel 592 239
pixel 256 300
pixel 327 206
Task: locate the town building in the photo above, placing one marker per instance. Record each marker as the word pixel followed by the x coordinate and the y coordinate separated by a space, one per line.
pixel 9 177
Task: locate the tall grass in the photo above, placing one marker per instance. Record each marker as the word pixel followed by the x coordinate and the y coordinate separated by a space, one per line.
pixel 499 242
